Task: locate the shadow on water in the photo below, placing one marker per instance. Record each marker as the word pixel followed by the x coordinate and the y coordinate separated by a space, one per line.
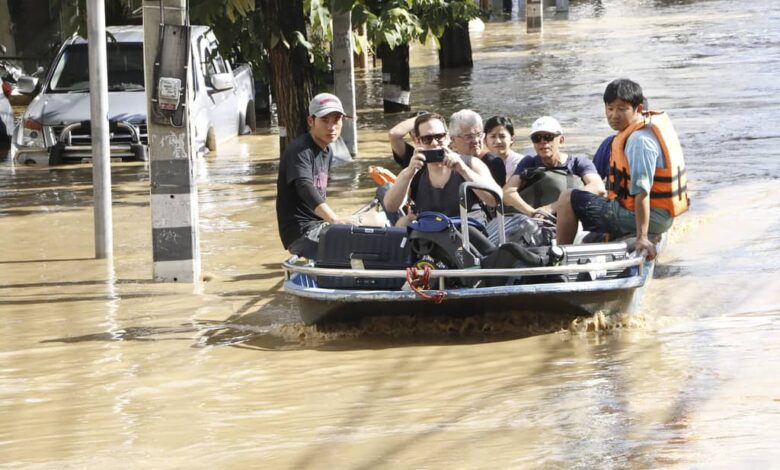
pixel 483 402
pixel 613 416
pixel 53 260
pixel 663 271
pixel 276 325
pixel 79 283
pixel 50 299
pixel 131 333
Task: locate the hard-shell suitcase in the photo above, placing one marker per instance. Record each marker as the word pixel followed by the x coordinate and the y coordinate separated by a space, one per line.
pixel 356 247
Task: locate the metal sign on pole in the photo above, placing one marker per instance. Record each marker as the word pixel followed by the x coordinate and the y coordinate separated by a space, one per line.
pixel 101 150
pixel 174 193
pixel 344 73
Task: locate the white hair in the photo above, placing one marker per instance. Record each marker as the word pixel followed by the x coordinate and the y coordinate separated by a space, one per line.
pixel 464 118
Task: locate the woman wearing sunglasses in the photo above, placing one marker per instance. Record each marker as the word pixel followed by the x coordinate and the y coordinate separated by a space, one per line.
pixel 435 173
pixel 558 172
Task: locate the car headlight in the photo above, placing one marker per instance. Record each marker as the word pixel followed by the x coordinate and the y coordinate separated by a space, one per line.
pixel 32 134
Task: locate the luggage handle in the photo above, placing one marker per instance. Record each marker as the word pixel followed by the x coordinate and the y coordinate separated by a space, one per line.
pixel 464 188
pixel 367 229
pixel 367 256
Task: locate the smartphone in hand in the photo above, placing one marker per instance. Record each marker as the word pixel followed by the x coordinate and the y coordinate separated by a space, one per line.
pixel 433 155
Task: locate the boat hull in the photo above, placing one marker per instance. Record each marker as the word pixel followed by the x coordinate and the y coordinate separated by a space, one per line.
pixel 610 296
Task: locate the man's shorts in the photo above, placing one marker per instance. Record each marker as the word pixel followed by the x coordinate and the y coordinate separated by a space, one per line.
pixel 307 244
pixel 599 214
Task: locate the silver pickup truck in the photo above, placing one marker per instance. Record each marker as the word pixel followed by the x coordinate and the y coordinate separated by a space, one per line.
pixel 55 128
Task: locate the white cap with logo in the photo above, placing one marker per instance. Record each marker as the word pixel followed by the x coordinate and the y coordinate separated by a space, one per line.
pixel 324 104
pixel 546 124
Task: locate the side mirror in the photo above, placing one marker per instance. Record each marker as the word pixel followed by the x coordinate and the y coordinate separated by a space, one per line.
pixel 222 81
pixel 26 84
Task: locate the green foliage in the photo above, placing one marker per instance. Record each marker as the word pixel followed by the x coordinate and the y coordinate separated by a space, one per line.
pixel 437 15
pixel 210 11
pixel 397 22
pixel 245 36
pixel 320 34
pixel 73 18
pixel 241 29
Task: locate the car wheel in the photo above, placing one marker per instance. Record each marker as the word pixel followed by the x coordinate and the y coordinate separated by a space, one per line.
pixel 211 140
pixel 250 118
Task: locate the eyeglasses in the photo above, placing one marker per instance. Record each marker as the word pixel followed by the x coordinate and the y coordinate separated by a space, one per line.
pixel 538 137
pixel 428 139
pixel 474 136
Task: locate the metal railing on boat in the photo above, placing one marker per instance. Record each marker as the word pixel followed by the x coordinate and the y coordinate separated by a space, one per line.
pixel 289 266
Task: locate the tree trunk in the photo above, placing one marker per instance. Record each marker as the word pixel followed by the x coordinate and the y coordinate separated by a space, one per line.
pixel 6 37
pixel 292 76
pixel 395 78
pixel 508 6
pixel 455 49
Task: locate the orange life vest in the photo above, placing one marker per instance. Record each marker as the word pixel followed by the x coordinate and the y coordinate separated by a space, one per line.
pixel 670 185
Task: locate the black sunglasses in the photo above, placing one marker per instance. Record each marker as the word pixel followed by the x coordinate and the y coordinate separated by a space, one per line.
pixel 428 139
pixel 538 137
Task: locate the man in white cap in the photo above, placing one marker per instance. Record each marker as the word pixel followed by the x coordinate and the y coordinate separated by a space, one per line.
pixel 538 181
pixel 301 187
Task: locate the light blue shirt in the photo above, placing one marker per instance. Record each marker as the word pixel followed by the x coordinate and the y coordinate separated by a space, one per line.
pixel 644 155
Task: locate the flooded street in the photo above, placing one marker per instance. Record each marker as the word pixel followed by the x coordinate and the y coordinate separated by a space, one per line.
pixel 102 368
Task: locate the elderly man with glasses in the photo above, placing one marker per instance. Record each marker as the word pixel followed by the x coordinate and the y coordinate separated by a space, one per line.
pixel 435 172
pixel 539 180
pixel 468 138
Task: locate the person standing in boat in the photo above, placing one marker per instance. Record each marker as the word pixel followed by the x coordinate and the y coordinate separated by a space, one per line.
pixel 434 186
pixel 301 186
pixel 499 136
pixel 646 185
pixel 539 190
pixel 467 139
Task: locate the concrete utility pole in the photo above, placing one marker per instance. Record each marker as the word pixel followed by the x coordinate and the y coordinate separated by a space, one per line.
pixel 175 240
pixel 533 16
pixel 344 73
pixel 98 107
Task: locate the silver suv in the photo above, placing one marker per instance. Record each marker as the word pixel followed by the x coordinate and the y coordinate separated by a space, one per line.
pixel 56 127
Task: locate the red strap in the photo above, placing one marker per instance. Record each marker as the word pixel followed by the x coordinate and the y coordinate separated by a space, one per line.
pixel 419 283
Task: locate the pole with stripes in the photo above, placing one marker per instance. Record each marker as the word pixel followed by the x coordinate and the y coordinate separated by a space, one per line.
pixel 534 10
pixel 175 240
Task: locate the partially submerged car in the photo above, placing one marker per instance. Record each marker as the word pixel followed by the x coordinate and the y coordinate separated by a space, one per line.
pixel 55 128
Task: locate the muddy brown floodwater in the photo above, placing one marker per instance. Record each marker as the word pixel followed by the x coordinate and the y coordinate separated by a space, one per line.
pixel 102 368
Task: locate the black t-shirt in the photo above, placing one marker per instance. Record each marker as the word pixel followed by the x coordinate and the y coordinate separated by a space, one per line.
pixel 404 159
pixel 445 200
pixel 496 166
pixel 302 159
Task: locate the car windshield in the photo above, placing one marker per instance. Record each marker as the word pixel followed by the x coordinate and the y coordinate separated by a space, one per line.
pixel 125 68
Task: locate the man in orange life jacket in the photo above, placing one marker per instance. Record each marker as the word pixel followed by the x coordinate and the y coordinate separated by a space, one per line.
pixel 646 182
